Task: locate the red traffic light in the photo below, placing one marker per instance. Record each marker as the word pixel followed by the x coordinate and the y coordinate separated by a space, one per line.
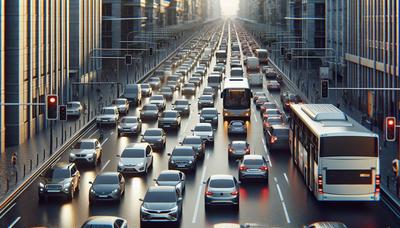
pixel 52 99
pixel 390 129
pixel 390 122
pixel 52 107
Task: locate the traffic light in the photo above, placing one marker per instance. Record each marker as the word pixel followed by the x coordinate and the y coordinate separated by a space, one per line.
pixel 282 51
pixel 63 112
pixel 390 129
pixel 150 51
pixel 128 59
pixel 324 88
pixel 52 107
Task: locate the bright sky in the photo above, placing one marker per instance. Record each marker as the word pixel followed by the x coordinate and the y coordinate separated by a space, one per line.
pixel 229 7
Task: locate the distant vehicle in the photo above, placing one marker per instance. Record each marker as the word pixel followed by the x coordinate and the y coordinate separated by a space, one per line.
pixel 236 63
pixel 273 85
pixel 182 106
pixel 253 167
pixel 108 186
pixel 214 81
pixel 221 56
pixel 108 115
pixel 222 190
pixel 272 120
pixel 205 101
pixel 262 55
pixel 236 97
pixel 173 178
pixel 156 137
pixel 189 89
pixel 105 221
pixel 169 119
pixel 261 100
pixel 87 151
pixel 196 142
pixel 74 108
pixel 255 79
pixel 167 92
pixel 237 127
pixel 129 125
pixel 267 105
pixel 155 83
pixel 271 112
pixel 271 74
pixel 256 95
pixel 205 131
pixel 146 89
pixel 158 100
pixel 149 111
pixel 253 65
pixel 237 72
pixel 277 137
pixel 122 105
pixel 195 80
pixel 135 158
pixel 237 149
pixel 133 93
pixel 182 158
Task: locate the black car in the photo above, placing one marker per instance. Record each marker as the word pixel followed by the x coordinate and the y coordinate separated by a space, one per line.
pixel 155 137
pixel 169 119
pixel 188 89
pixel 149 112
pixel 61 180
pixel 277 137
pixel 196 142
pixel 108 186
pixel 182 106
pixel 205 101
pixel 209 115
pixel 182 158
pixel 209 91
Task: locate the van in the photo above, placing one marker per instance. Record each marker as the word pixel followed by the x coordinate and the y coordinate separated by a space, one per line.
pixel 133 93
pixel 253 64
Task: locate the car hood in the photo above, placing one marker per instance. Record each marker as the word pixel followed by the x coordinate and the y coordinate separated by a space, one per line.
pixel 85 151
pixel 152 138
pixel 159 206
pixel 208 116
pixel 132 161
pixel 203 133
pixel 56 181
pixel 106 116
pixel 167 183
pixel 104 188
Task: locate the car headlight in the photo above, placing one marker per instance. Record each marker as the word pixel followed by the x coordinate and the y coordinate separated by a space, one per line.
pixel 133 128
pixel 172 162
pixel 115 191
pixel 120 165
pixel 92 191
pixel 140 164
pixel 119 127
pixel 143 209
pixel 41 185
pixel 72 155
pixel 190 162
pixel 215 117
pixel 202 117
pixel 174 209
pixel 89 155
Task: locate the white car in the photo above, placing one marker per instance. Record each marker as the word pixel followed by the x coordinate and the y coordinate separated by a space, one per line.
pixel 136 158
pixel 108 115
pixel 122 104
pixel 74 108
pixel 86 151
pixel 205 131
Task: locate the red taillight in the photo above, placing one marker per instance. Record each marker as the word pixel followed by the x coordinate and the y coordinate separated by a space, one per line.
pixel 264 168
pixel 273 139
pixel 208 193
pixel 377 183
pixel 243 167
pixel 265 115
pixel 266 124
pixel 230 150
pixel 320 184
pixel 234 193
pixel 247 151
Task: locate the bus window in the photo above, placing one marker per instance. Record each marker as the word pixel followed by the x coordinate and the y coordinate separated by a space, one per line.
pixel 348 146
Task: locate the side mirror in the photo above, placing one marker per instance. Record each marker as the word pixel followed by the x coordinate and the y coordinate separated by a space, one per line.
pixel 118 155
pixel 90 182
pixel 154 179
pixel 141 200
pixel 204 182
pixel 169 154
pixel 180 199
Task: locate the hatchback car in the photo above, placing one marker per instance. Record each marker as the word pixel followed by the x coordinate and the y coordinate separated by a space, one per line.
pixel 74 109
pixel 188 89
pixel 196 142
pixel 209 115
pixel 149 111
pixel 105 221
pixel 195 80
pixel 237 127
pixel 204 131
pixel 237 149
pixel 205 101
pixel 108 115
pixel 174 178
pixel 272 120
pixel 129 125
pixel 161 204
pixel 122 105
pixel 253 166
pixel 167 92
pixel 155 137
pixel 221 190
pixel 135 158
pixel 87 151
pixel 182 106
pixel 108 186
pixel 277 137
pixel 169 119
pixel 158 100
pixel 182 158
pixel 267 105
pixel 271 112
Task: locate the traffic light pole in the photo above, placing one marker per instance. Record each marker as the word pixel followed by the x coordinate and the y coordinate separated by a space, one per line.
pixel 51 136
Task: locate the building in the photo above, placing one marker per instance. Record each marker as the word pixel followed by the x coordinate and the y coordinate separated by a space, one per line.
pixel 275 11
pixel 34 63
pixel 85 38
pixel 372 56
pixel 313 23
pixel 175 12
pixel 252 10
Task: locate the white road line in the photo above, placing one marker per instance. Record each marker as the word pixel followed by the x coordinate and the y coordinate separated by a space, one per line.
pixel 276 180
pixel 8 210
pixel 255 117
pixel 279 192
pixel 15 222
pixel 105 165
pixel 93 133
pixel 208 156
pixel 196 209
pixel 286 178
pixel 104 141
pixel 112 133
pixel 286 212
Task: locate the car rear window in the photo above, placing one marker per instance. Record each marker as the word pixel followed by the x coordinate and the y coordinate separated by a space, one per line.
pixel 253 162
pixel 160 197
pixel 168 177
pixel 222 183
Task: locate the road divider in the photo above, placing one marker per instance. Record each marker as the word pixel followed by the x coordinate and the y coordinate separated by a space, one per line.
pixel 196 209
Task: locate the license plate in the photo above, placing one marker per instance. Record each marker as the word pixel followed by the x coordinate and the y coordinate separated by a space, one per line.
pixel 103 196
pixel 167 125
pixel 208 120
pixel 253 170
pixel 53 190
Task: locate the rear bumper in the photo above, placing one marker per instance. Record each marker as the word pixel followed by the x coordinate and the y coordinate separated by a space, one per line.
pixel 335 197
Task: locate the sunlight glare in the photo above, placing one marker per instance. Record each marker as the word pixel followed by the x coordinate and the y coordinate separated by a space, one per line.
pixel 229 7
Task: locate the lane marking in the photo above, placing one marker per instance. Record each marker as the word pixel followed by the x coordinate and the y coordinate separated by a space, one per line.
pixel 112 133
pixel 286 178
pixel 279 192
pixel 286 212
pixel 15 222
pixel 276 180
pixel 104 141
pixel 196 209
pixel 94 133
pixel 105 165
pixel 208 156
pixel 7 210
pixel 255 117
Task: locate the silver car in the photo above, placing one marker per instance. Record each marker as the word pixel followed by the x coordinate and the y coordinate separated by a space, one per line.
pixel 205 101
pixel 253 166
pixel 105 221
pixel 158 100
pixel 237 127
pixel 167 92
pixel 129 125
pixel 149 111
pixel 135 158
pixel 172 178
pixel 122 104
pixel 182 106
pixel 204 131
pixel 87 151
pixel 147 91
pixel 108 115
pixel 74 108
pixel 222 190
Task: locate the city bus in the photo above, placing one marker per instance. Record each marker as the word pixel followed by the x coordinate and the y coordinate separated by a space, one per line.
pixel 221 56
pixel 337 156
pixel 262 55
pixel 236 98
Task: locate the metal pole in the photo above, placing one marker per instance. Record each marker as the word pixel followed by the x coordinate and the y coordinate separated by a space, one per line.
pixel 51 136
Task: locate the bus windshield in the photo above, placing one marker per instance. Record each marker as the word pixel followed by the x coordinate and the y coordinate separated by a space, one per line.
pixel 348 146
pixel 236 99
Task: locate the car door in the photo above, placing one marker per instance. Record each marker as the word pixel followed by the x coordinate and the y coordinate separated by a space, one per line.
pixel 149 156
pixel 121 181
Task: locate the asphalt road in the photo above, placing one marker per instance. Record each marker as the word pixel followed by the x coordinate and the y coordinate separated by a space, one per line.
pixel 283 202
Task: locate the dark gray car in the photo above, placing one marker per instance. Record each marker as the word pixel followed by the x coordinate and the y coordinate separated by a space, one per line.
pixel 169 119
pixel 149 111
pixel 209 115
pixel 205 101
pixel 182 106
pixel 108 186
pixel 182 158
pixel 237 149
pixel 188 89
pixel 129 125
pixel 277 137
pixel 196 142
pixel 158 100
pixel 155 137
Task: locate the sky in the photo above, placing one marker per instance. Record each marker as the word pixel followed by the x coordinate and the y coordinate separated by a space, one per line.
pixel 229 7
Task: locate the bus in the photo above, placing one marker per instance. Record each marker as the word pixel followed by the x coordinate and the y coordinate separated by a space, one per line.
pixel 236 99
pixel 262 55
pixel 337 156
pixel 221 56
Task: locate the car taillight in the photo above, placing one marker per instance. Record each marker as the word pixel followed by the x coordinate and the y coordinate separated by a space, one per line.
pixel 266 124
pixel 243 167
pixel 264 168
pixel 320 184
pixel 247 151
pixel 273 139
pixel 208 193
pixel 230 150
pixel 265 115
pixel 287 103
pixel 377 183
pixel 234 193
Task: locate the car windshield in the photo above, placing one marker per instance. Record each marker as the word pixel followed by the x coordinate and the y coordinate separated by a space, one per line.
pixel 131 89
pixel 206 98
pixel 119 102
pixel 191 85
pixel 262 99
pixel 145 86
pixel 84 145
pixel 149 107
pixel 209 112
pixel 160 197
pixel 165 89
pixel 274 120
pixel 152 133
pixel 129 120
pixel 208 91
pixel 182 152
pixel 223 183
pixel 237 124
pixel 168 177
pixel 169 115
pixel 180 102
pixel 72 105
pixel 273 111
pixel 203 128
pixel 253 162
pixel 106 179
pixel 57 173
pixel 107 111
pixel 156 98
pixel 155 79
pixel 191 141
pixel 239 145
pixel 133 153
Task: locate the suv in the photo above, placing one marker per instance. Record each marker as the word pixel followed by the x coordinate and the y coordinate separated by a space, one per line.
pixel 60 180
pixel 136 158
pixel 133 93
pixel 86 151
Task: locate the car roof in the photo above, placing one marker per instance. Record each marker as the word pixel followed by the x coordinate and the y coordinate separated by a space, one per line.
pixel 120 99
pixel 150 105
pixel 206 95
pixel 191 137
pixel 183 147
pixel 170 111
pixel 154 129
pixel 142 145
pixel 221 177
pixel 280 126
pixel 88 140
pixel 161 189
pixel 253 156
pixel 129 117
pixel 99 220
pixel 170 172
pixel 109 174
pixel 239 142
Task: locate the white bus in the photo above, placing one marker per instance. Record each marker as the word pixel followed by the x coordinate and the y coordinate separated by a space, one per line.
pixel 236 98
pixel 337 156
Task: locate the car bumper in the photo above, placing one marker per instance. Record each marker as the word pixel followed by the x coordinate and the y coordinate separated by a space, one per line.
pixel 182 167
pixel 221 200
pixel 82 160
pixel 158 217
pixel 131 169
pixel 106 121
pixel 128 131
pixel 106 197
pixel 168 125
pixel 253 175
pixel 211 121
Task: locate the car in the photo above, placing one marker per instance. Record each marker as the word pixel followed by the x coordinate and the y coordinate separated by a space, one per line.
pixel 173 85
pixel 326 224
pixel 74 109
pixel 155 137
pixel 61 180
pixel 273 85
pixel 237 127
pixel 237 149
pixel 271 112
pixel 135 158
pixel 253 166
pixel 188 89
pixel 182 106
pixel 154 82
pixel 202 70
pixel 173 178
pixel 158 100
pixel 209 115
pixel 272 120
pixel 107 186
pixel 147 91
pixel 167 92
pixel 195 80
pixel 205 101
pixel 288 98
pixel 86 151
pixel 133 94
pixel 270 73
pixel 261 100
pixel 205 131
pixel 196 142
pixel 256 95
pixel 267 105
pixel 105 221
pixel 108 115
pixel 122 105
pixel 129 125
pixel 265 68
pixel 169 119
pixel 277 137
pixel 182 158
pixel 219 68
pixel 149 111
pixel 235 63
pixel 221 190
pixel 237 72
pixel 161 204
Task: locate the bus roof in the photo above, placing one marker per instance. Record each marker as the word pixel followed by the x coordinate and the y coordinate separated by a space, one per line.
pixel 328 120
pixel 236 83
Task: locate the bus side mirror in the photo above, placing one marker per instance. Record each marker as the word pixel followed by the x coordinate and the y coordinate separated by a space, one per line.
pixel 222 95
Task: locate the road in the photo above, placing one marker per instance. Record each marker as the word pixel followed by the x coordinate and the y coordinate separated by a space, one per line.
pixel 284 202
